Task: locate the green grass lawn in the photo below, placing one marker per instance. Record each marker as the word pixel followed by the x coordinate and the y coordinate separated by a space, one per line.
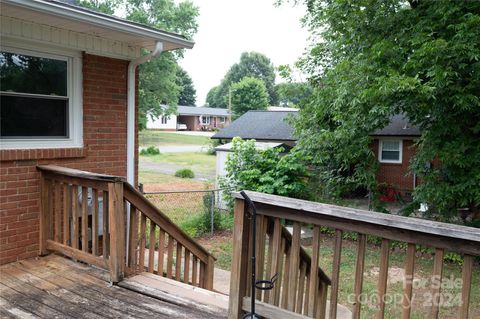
pixel 221 248
pixel 199 162
pixel 149 137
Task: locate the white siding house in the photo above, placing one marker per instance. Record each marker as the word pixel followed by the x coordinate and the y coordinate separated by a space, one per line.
pixel 164 122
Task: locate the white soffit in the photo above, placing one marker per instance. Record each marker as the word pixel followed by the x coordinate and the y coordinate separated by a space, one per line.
pixel 68 17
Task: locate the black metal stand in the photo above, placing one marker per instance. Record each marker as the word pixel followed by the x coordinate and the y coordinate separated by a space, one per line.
pixel 256 284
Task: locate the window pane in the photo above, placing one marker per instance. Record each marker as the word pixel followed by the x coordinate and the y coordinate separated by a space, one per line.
pixel 27 74
pixel 26 117
pixel 391 155
pixel 391 145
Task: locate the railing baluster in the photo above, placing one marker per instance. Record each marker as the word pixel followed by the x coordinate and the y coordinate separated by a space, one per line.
pixel 337 257
pixel 382 277
pixel 268 268
pixel 45 215
pixel 408 285
pixel 437 276
pixel 301 287
pixel 75 217
pixel 286 279
pixel 294 266
pixel 85 219
pixel 202 275
pixel 106 236
pixel 178 262
pixel 161 252
pixel 260 249
pixel 66 213
pixel 276 241
pixel 143 242
pixel 95 222
pixel 151 247
pixel 322 300
pixel 194 271
pixel 282 274
pixel 133 240
pixel 58 216
pixel 306 300
pixel 186 267
pixel 312 304
pixel 170 257
pixel 362 240
pixel 466 285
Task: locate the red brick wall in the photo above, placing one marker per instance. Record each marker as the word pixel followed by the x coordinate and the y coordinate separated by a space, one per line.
pixel 397 175
pixel 104 151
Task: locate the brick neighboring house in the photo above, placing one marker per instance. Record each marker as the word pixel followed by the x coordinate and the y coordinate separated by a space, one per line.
pixel 191 118
pixel 73 103
pixel 392 145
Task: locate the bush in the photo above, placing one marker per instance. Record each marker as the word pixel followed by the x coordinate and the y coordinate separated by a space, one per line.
pixel 213 143
pixel 151 150
pixel 198 224
pixel 185 173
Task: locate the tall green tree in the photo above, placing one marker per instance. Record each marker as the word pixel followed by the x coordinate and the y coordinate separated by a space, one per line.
pixel 211 95
pixel 292 93
pixel 157 78
pixel 375 58
pixel 248 94
pixel 188 95
pixel 252 64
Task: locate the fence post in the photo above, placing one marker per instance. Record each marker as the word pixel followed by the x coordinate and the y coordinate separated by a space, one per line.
pixel 238 279
pixel 117 230
pixel 212 213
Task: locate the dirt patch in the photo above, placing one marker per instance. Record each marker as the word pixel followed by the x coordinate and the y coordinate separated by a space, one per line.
pixel 212 242
pixel 395 274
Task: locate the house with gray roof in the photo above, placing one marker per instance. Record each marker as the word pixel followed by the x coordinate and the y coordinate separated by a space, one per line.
pixel 191 118
pixel 393 145
pixel 264 126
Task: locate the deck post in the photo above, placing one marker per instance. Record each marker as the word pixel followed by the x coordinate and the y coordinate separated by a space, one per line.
pixel 238 279
pixel 209 269
pixel 117 231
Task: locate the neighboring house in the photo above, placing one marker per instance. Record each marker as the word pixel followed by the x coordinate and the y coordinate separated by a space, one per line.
pixel 191 118
pixel 68 97
pixel 263 126
pixel 393 145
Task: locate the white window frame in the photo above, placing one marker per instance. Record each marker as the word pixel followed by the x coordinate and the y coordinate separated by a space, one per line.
pixel 74 93
pixel 222 119
pixel 380 148
pixel 164 119
pixel 207 118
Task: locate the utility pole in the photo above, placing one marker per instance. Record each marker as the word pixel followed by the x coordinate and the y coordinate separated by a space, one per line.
pixel 230 105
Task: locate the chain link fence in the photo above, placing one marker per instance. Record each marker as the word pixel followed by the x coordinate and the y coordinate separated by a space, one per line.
pixel 195 211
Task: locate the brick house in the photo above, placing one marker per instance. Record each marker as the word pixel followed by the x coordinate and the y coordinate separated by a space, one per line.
pixel 68 97
pixel 191 118
pixel 392 145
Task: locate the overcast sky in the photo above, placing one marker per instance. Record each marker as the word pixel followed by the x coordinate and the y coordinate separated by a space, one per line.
pixel 229 27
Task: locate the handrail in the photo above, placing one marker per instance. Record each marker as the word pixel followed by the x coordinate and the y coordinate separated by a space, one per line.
pixel 151 211
pixel 79 173
pixel 84 216
pixel 469 237
pixel 411 231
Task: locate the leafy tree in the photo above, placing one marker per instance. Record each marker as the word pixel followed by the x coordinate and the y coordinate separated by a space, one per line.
pixel 291 94
pixel 375 58
pixel 157 78
pixel 211 95
pixel 252 64
pixel 188 96
pixel 264 171
pixel 248 94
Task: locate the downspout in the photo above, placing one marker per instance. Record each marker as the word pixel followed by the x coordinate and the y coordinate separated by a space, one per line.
pixel 131 109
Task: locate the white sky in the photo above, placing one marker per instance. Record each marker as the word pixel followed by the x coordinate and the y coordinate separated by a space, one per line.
pixel 229 27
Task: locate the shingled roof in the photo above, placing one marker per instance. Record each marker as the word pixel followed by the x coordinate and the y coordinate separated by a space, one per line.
pixel 261 126
pixel 398 126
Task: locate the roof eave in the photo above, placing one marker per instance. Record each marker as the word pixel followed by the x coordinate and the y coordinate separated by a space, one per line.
pixel 103 21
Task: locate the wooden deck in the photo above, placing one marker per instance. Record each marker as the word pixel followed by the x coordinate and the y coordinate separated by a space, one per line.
pixel 56 287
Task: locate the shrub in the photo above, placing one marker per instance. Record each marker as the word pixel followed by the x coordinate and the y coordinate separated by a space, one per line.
pixel 151 150
pixel 185 173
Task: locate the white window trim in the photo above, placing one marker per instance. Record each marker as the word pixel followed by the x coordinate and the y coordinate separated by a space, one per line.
pixel 74 91
pixel 207 122
pixel 222 119
pixel 380 147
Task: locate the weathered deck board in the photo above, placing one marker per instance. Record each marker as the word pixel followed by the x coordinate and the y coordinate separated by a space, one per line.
pixel 56 287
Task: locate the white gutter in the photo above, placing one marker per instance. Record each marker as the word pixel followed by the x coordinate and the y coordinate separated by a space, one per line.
pixel 131 109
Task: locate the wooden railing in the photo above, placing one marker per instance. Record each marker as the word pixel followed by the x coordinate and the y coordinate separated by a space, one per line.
pixel 104 221
pixel 293 297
